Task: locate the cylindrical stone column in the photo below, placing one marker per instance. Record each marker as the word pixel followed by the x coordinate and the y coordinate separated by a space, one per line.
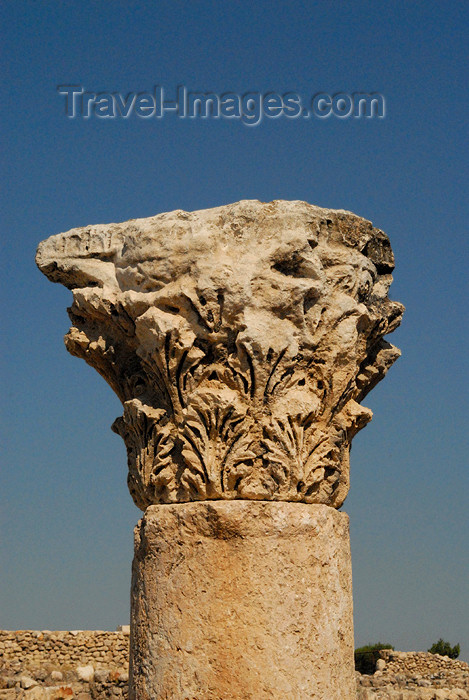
pixel 242 600
pixel 241 341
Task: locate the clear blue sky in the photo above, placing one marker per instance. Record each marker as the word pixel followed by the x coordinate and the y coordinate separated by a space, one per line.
pixel 66 517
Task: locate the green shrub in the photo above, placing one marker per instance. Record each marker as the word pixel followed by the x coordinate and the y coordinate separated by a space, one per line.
pixel 367 656
pixel 445 649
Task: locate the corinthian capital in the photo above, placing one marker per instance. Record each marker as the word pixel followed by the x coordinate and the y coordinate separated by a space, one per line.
pixel 241 341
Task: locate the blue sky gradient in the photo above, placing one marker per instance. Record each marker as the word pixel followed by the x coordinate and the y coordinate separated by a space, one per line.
pixel 66 517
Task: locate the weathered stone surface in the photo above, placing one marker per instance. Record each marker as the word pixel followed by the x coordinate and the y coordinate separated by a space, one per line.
pixel 435 673
pixel 416 676
pixel 241 341
pixel 242 599
pixel 56 676
pixel 27 682
pixel 85 673
pixel 51 650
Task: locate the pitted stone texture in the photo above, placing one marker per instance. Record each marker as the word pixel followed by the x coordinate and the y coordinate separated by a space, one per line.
pixel 242 600
pixel 241 341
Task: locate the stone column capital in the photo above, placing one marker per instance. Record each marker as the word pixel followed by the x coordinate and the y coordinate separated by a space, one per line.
pixel 241 341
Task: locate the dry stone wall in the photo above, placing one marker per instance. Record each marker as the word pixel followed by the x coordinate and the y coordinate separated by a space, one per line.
pixel 415 676
pixel 45 665
pixel 79 647
pixel 93 665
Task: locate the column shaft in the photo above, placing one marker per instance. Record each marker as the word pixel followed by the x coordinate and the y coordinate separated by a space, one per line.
pixel 234 600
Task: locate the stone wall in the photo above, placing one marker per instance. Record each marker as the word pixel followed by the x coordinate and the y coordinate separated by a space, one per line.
pixel 79 647
pixel 415 676
pixel 93 665
pixel 45 665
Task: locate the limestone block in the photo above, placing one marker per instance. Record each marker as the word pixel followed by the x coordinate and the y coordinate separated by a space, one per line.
pixel 85 673
pixel 36 693
pixel 242 600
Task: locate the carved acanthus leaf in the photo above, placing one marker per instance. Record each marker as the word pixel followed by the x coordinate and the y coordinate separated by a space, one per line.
pixel 216 439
